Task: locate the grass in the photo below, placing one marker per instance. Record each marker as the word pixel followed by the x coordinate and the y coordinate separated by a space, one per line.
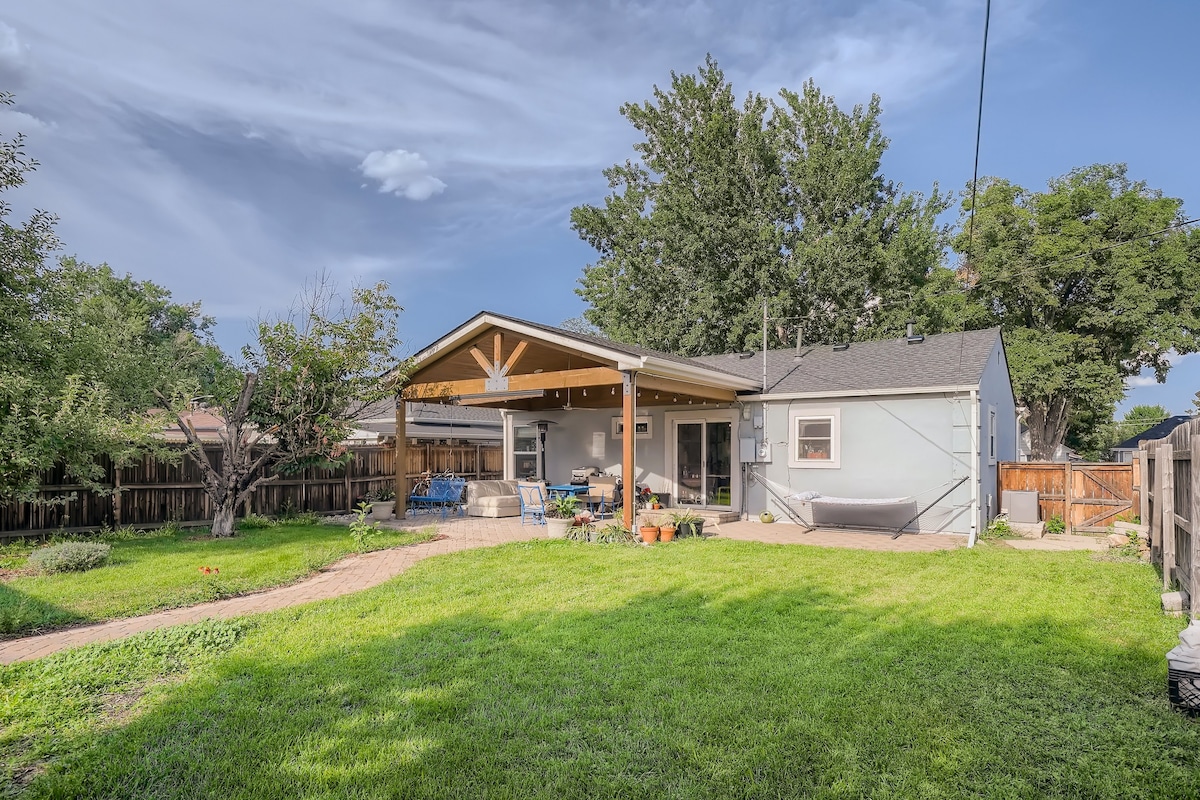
pixel 150 573
pixel 702 669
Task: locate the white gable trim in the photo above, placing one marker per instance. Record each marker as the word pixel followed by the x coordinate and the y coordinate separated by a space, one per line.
pixel 861 393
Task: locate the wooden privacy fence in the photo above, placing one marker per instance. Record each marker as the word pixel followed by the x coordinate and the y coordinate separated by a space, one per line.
pixel 150 492
pixel 1172 507
pixel 1088 497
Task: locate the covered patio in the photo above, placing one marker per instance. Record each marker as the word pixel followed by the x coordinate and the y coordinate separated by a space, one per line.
pixel 542 377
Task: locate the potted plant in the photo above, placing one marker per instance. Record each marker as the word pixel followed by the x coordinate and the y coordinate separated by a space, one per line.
pixel 688 523
pixel 383 507
pixel 666 529
pixel 648 528
pixel 560 515
pixel 654 502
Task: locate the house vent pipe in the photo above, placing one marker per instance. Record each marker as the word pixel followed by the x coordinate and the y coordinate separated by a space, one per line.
pixel 911 324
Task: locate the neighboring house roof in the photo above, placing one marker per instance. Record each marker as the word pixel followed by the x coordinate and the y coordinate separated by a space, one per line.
pixel 208 426
pixel 941 360
pixel 434 420
pixel 1159 431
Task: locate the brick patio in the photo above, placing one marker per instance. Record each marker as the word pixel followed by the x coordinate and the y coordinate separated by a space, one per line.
pixel 356 573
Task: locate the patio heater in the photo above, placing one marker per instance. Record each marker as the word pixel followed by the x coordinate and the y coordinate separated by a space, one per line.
pixel 542 425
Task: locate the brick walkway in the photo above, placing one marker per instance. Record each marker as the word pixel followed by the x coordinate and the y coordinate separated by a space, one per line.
pixel 352 574
pixel 362 572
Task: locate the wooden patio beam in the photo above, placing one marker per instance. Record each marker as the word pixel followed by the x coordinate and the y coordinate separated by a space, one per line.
pixel 481 359
pixel 564 379
pixel 654 383
pixel 517 352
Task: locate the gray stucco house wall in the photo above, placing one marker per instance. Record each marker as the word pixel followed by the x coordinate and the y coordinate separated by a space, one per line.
pixel 904 420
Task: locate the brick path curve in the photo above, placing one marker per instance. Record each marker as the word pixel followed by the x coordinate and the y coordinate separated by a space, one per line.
pixel 349 575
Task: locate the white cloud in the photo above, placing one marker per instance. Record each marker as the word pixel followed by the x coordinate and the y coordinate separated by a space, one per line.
pixel 401 173
pixel 14 59
pixel 1146 378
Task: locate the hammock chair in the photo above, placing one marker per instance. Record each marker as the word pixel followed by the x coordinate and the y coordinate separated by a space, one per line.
pixel 886 513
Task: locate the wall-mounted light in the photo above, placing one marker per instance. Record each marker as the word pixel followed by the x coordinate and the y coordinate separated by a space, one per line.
pixel 746 413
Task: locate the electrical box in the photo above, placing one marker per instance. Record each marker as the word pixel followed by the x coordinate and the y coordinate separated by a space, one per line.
pixel 758 420
pixel 748 450
pixel 764 452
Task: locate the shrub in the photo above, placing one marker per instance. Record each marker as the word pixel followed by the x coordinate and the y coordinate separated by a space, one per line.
pixel 1056 524
pixel 361 531
pixel 69 557
pixel 255 521
pixel 997 529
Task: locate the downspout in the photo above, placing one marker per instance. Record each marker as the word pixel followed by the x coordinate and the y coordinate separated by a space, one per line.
pixel 974 468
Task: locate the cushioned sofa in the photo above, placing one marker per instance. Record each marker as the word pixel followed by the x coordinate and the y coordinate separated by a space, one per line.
pixel 493 499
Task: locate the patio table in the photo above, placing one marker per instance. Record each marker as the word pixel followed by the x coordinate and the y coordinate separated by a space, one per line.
pixel 566 488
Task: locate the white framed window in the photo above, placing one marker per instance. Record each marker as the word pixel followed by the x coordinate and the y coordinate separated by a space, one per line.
pixel 642 427
pixel 991 435
pixel 524 452
pixel 814 438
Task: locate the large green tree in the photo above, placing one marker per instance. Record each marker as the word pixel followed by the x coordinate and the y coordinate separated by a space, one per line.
pixel 1091 284
pixel 730 204
pixel 294 399
pixel 83 351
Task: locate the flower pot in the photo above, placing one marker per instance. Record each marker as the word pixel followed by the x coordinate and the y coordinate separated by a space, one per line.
pixel 382 509
pixel 557 528
pixel 649 534
pixel 656 506
pixel 666 532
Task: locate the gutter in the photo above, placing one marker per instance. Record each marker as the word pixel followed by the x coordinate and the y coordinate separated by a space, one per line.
pixel 863 393
pixel 974 468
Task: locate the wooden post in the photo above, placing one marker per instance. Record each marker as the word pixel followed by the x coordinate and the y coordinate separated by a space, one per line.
pixel 401 459
pixel 1166 499
pixel 1068 497
pixel 628 473
pixel 116 496
pixel 1140 463
pixel 350 484
pixel 1194 520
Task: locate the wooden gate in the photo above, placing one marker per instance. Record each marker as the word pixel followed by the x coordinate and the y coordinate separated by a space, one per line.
pixel 1089 497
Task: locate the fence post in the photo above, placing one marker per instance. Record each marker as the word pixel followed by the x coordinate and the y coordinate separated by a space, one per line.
pixel 1194 519
pixel 1069 496
pixel 116 496
pixel 1166 498
pixel 1143 481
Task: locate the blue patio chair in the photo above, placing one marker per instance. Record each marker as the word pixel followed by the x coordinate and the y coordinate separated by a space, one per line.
pixel 600 496
pixel 444 494
pixel 533 502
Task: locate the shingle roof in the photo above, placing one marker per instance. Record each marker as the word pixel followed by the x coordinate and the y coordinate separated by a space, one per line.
pixel 1160 430
pixel 435 412
pixel 947 359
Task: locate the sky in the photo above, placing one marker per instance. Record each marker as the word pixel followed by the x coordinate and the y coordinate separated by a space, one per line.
pixel 231 150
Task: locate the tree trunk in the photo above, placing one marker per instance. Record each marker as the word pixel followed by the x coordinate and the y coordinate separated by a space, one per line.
pixel 223 519
pixel 1047 424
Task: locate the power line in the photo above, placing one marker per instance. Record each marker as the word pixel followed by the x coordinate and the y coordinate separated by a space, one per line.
pixel 987 20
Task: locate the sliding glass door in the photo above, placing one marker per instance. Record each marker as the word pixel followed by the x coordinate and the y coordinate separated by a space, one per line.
pixel 704 463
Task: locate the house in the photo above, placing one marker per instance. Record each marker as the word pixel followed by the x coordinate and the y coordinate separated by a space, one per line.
pixel 435 422
pixel 1123 452
pixel 913 417
pixel 1062 453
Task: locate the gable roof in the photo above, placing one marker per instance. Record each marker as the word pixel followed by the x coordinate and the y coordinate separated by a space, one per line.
pixel 415 411
pixel 941 360
pixel 1158 431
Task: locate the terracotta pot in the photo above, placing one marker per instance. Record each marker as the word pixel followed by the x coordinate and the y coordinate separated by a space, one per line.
pixel 649 535
pixel 666 533
pixel 656 506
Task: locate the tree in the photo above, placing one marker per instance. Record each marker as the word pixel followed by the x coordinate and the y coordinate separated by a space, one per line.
pixel 83 350
pixel 295 398
pixel 729 204
pixel 1196 405
pixel 1091 284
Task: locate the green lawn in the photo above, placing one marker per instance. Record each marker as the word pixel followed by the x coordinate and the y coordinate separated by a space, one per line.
pixel 701 669
pixel 152 573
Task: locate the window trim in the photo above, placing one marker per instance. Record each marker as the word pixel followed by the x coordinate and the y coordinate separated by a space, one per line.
pixel 834 417
pixel 992 435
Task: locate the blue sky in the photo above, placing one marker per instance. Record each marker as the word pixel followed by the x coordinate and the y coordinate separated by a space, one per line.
pixel 229 150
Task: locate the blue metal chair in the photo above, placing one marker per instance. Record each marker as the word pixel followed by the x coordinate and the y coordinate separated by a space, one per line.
pixel 533 502
pixel 444 494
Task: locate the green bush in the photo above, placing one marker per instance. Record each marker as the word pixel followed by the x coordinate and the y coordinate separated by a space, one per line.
pixel 69 557
pixel 1056 524
pixel 255 521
